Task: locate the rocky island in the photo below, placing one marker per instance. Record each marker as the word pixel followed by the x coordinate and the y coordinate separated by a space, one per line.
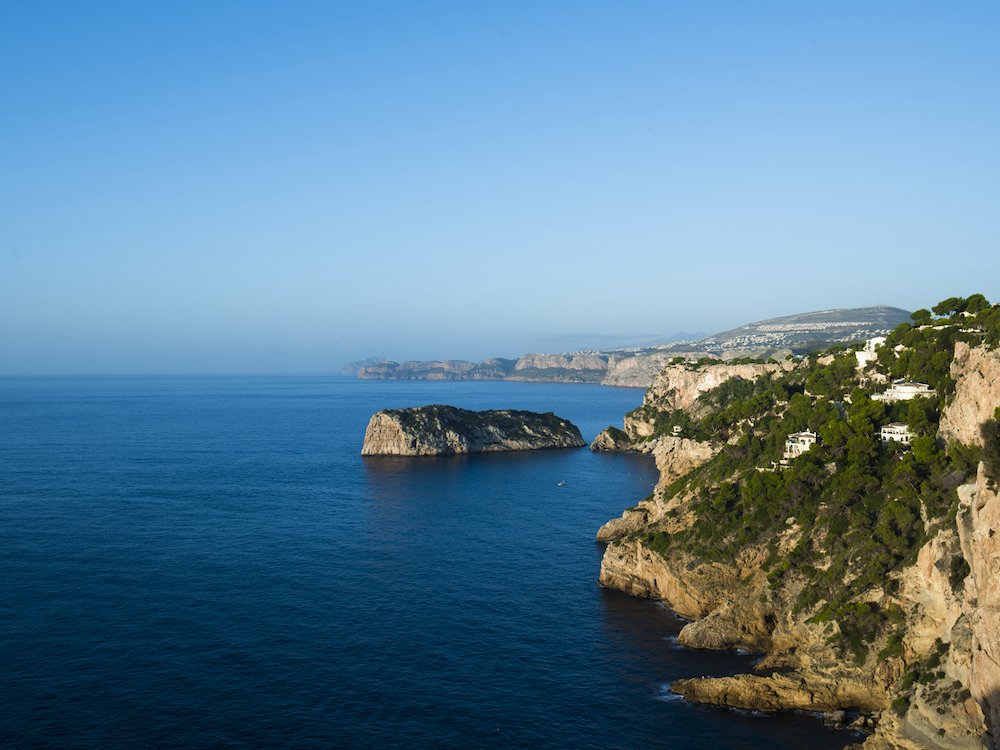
pixel 440 430
pixel 864 567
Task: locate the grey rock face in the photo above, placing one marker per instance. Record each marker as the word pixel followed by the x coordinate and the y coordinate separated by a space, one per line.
pixel 439 430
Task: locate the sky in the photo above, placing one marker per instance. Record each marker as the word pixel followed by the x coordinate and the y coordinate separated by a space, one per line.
pixel 251 187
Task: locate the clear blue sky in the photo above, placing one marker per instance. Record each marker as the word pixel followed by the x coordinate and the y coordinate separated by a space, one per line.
pixel 282 187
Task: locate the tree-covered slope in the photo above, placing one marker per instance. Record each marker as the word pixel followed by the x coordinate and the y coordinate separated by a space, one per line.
pixel 818 551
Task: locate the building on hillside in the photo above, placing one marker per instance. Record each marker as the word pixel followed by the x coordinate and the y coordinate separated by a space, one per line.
pixel 904 390
pixel 677 430
pixel 896 431
pixel 798 443
pixel 868 354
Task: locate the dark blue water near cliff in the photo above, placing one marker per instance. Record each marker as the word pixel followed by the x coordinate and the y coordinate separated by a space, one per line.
pixel 208 562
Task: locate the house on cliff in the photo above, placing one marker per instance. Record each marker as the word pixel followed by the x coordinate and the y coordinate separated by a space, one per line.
pixel 796 444
pixel 896 432
pixel 903 390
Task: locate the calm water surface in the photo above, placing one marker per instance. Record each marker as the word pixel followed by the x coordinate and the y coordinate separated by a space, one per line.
pixel 208 562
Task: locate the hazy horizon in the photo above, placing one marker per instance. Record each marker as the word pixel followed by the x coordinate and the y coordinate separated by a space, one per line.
pixel 244 188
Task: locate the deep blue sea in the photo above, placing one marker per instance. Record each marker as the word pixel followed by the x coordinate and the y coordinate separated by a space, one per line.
pixel 208 562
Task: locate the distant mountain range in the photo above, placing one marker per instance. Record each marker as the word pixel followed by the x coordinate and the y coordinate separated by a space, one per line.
pixel 637 366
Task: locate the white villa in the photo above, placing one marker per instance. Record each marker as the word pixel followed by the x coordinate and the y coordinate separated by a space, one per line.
pixel 904 390
pixel 897 431
pixel 678 430
pixel 798 443
pixel 868 354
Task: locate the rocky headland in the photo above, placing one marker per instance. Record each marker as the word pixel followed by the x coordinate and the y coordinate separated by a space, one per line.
pixel 440 430
pixel 866 573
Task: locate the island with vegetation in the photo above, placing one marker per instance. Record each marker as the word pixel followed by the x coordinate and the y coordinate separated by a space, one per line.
pixel 839 514
pixel 439 430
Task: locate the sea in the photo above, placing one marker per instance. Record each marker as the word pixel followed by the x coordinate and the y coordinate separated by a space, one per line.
pixel 208 562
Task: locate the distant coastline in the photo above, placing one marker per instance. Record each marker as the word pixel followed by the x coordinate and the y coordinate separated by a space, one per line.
pixel 635 367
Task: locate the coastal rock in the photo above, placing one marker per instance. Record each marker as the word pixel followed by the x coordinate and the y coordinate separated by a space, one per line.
pixel 612 439
pixel 446 430
pixel 631 520
pixel 781 692
pixel 629 566
pixel 674 458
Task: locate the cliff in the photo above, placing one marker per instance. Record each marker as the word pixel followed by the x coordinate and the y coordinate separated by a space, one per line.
pixel 445 430
pixel 447 369
pixel 976 372
pixel 866 574
pixel 679 386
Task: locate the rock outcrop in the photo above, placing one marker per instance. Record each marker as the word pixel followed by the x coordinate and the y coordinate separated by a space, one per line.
pixel 781 692
pixel 679 386
pixel 674 458
pixel 613 439
pixel 638 371
pixel 446 430
pixel 976 371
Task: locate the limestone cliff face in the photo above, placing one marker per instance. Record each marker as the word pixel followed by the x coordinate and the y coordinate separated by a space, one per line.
pixel 979 533
pixel 674 458
pixel 640 370
pixel 942 712
pixel 572 361
pixel 678 386
pixel 445 430
pixel 976 371
pixel 630 566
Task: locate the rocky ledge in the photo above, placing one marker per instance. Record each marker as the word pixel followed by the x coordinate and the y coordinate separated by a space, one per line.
pixel 439 430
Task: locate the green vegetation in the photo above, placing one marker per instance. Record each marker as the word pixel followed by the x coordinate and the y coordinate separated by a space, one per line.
pixel 843 518
pixel 959 571
pixel 991 448
pixel 619 436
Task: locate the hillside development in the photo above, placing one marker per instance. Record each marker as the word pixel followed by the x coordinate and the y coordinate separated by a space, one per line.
pixel 849 537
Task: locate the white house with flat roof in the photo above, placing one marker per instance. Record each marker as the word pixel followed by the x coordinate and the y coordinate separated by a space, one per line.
pixel 896 431
pixel 868 353
pixel 904 390
pixel 798 443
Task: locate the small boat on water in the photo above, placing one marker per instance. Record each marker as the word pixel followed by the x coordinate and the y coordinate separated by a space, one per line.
pixel 560 483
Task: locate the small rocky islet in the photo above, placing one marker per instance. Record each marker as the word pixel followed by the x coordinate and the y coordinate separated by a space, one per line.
pixel 440 430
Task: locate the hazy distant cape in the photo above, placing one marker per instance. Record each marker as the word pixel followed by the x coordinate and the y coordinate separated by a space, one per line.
pixel 637 366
